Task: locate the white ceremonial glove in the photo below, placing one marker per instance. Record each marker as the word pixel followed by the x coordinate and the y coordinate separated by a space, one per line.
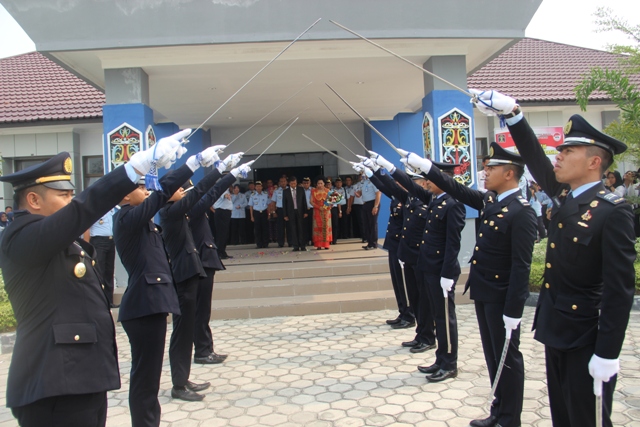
pixel 369 163
pixel 193 162
pixel 230 161
pixel 510 324
pixel 446 285
pixel 602 370
pixel 403 153
pixel 162 153
pixel 242 170
pixel 358 167
pixel 381 161
pixel 417 163
pixel 492 103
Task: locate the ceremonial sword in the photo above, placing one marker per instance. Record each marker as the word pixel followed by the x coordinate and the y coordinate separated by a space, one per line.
pixel 255 75
pixel 404 283
pixel 507 340
pixel 270 133
pixel 274 141
pixel 446 313
pixel 321 146
pixel 346 127
pixel 599 408
pixel 334 137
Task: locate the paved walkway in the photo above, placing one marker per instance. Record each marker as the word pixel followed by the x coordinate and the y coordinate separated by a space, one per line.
pixel 348 370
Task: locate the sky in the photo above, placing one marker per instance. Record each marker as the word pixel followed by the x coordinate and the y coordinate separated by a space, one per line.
pixel 563 21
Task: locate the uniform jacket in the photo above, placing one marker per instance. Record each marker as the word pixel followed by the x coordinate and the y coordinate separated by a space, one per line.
pixel 150 289
pixel 394 226
pixel 501 259
pixel 178 240
pixel 65 339
pixel 589 280
pixel 287 202
pixel 199 223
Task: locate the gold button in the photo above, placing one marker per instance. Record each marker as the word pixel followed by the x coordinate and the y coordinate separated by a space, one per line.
pixel 426 231
pixel 210 245
pixel 82 253
pixel 497 277
pixel 480 235
pixel 548 265
pixel 159 279
pixel 429 221
pixel 436 216
pixel 474 261
pixel 408 219
pixel 546 285
pixel 574 307
pixel 559 225
pixel 496 227
pixel 575 239
pixel 491 223
pixel 423 241
pixel 476 248
pixel 485 221
pixel 93 262
pixel 155 229
pixel 404 228
pixel 553 245
pixel 76 338
pixel 437 252
pixel 403 237
pixel 102 286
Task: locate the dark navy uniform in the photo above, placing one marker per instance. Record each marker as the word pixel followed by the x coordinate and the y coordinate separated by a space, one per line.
pixel 187 270
pixel 499 283
pixel 391 243
pixel 149 297
pixel 204 242
pixel 65 352
pixel 589 278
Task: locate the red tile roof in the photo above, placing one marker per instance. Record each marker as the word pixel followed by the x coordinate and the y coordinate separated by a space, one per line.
pixel 34 88
pixel 535 70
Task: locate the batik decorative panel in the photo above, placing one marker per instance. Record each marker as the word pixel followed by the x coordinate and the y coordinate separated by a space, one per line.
pixel 124 141
pixel 455 135
pixel 150 137
pixel 427 136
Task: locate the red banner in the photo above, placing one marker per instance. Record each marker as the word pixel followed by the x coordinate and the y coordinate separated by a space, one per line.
pixel 549 137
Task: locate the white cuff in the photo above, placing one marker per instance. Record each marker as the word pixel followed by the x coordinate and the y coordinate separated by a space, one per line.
pixel 131 173
pixel 515 119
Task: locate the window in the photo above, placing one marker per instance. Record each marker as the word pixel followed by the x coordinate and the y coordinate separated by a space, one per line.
pixel 20 164
pixel 93 168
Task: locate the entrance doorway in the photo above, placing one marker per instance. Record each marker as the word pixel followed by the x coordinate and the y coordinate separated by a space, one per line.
pixel 274 174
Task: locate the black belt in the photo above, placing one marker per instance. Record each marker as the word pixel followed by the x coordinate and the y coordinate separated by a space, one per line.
pixel 102 237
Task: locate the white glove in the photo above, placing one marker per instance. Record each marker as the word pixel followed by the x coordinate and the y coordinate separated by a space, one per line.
pixel 193 162
pixel 369 163
pixel 230 161
pixel 242 170
pixel 510 325
pixel 402 152
pixel 446 285
pixel 602 370
pixel 492 103
pixel 381 161
pixel 162 153
pixel 358 167
pixel 417 163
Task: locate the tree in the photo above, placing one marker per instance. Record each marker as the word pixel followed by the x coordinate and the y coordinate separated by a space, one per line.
pixel 616 83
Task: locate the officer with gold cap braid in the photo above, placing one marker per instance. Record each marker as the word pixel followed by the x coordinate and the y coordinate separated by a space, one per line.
pixel 589 280
pixel 65 356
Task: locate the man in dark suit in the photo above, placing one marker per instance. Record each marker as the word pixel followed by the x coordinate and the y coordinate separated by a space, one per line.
pixel 589 280
pixel 294 210
pixel 499 275
pixel 65 356
pixel 151 292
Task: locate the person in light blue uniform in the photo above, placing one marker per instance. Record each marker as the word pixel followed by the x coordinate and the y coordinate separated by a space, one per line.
pixel 258 207
pixel 341 230
pixel 370 206
pixel 277 199
pixel 307 223
pixel 222 220
pixel 102 239
pixel 249 237
pixel 239 202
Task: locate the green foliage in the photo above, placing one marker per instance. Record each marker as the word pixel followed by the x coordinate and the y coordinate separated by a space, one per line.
pixel 616 84
pixel 7 319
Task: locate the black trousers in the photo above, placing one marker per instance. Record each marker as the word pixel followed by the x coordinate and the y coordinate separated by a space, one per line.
pixel 542 232
pixel 445 359
pixel 405 311
pixel 280 227
pixel 425 330
pixel 78 410
pixel 307 225
pixel 370 224
pixel 202 338
pixel 248 228
pixel 335 224
pixel 570 386
pixel 146 338
pixel 105 261
pixel 344 223
pixel 261 228
pixel 223 226
pixel 507 405
pixel 184 324
pixel 237 231
pixel 295 231
pixel 357 221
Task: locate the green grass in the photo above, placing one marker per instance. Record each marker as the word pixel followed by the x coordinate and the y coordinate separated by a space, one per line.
pixel 7 320
pixel 537 266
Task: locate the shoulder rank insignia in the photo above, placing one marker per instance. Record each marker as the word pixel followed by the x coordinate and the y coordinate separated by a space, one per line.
pixel 594 204
pixel 587 215
pixel 490 199
pixel 611 198
pixel 500 216
pixel 583 224
pixel 444 202
pixel 523 201
pixel 505 209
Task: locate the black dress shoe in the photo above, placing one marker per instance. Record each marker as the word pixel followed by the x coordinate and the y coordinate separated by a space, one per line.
pixel 403 325
pixel 211 359
pixel 295 250
pixel 410 343
pixel 442 375
pixel 490 421
pixel 394 321
pixel 422 347
pixel 228 256
pixel 183 393
pixel 366 248
pixel 429 369
pixel 197 387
